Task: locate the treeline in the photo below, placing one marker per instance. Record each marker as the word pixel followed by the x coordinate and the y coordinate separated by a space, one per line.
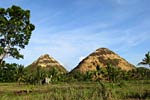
pixel 112 74
pixel 18 73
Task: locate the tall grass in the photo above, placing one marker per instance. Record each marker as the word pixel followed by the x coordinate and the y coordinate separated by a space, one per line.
pixel 77 91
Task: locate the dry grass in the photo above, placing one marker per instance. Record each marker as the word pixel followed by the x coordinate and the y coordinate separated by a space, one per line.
pixel 102 57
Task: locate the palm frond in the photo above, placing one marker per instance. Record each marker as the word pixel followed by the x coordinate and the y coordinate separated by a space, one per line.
pixel 146 60
pixel 142 63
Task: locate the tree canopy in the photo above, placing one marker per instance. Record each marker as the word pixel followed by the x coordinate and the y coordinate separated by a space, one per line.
pixel 15 31
pixel 146 60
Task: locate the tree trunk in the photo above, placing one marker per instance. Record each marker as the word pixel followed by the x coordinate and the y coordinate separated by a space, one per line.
pixel 2 58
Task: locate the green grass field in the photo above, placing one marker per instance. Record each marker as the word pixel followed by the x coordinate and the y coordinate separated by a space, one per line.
pixel 129 90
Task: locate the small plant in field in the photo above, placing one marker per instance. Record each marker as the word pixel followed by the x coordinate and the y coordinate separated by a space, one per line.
pixel 105 92
pixel 121 84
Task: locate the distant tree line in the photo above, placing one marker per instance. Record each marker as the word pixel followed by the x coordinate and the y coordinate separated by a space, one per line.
pixel 18 73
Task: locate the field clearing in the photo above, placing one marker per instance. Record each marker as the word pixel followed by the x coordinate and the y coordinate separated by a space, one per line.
pixel 129 90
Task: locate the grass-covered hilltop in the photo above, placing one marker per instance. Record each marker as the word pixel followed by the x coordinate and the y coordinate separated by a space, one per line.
pixel 101 58
pixel 46 62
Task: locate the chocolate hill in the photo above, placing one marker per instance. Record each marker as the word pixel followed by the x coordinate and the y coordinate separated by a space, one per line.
pixel 102 57
pixel 47 62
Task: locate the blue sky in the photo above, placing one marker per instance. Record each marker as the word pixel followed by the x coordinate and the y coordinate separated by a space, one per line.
pixel 70 30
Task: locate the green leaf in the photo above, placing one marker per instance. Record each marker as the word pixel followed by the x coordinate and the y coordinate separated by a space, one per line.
pixel 15 30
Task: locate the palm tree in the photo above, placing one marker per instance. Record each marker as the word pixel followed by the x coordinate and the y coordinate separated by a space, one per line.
pixel 146 60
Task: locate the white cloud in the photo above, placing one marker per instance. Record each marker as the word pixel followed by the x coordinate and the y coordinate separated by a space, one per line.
pixel 81 58
pixel 125 2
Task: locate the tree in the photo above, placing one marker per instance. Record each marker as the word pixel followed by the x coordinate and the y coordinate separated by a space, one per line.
pixel 8 72
pixel 15 31
pixel 113 73
pixel 142 72
pixel 20 73
pixel 146 60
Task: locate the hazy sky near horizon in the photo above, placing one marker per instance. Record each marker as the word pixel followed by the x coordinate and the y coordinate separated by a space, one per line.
pixel 70 30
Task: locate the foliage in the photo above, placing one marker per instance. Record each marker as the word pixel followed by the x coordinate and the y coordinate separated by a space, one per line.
pixel 142 73
pixel 17 73
pixel 112 74
pixel 15 31
pixel 146 60
pixel 39 74
pixel 11 72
